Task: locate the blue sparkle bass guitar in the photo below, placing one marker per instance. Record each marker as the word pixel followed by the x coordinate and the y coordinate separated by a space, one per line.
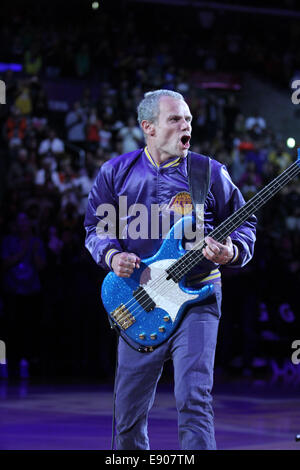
pixel 147 308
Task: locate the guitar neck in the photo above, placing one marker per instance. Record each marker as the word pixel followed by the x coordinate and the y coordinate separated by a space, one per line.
pixel 193 257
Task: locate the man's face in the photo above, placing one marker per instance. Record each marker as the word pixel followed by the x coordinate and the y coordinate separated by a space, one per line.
pixel 172 128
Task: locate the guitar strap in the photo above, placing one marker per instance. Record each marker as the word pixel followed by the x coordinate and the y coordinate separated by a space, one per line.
pixel 199 171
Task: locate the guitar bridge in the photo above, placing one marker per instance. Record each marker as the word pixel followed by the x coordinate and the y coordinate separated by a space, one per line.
pixel 123 317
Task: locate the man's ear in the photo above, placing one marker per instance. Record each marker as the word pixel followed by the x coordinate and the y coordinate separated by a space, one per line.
pixel 148 128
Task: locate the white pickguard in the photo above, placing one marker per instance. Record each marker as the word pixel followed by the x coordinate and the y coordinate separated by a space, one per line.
pixel 166 294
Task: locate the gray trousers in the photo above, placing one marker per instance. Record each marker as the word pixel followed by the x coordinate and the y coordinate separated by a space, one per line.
pixel 192 350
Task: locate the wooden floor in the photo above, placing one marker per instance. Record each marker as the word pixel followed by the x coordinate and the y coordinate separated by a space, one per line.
pixel 78 416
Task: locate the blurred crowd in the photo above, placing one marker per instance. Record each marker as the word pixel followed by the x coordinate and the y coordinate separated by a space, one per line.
pixel 50 285
pixel 114 44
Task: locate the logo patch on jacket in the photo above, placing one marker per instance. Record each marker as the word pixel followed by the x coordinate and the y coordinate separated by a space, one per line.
pixel 181 203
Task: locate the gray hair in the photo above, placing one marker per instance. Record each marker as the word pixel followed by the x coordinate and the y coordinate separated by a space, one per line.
pixel 148 109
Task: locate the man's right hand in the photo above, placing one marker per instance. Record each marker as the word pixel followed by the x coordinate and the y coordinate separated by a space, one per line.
pixel 123 264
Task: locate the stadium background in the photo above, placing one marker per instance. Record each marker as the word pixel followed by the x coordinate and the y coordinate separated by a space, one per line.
pixel 74 75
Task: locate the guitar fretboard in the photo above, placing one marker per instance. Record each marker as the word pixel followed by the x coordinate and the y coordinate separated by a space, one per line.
pixel 193 257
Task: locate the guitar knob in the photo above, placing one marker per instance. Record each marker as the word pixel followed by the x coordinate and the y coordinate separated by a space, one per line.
pixel 166 318
pixel 162 329
pixel 142 336
pixel 153 336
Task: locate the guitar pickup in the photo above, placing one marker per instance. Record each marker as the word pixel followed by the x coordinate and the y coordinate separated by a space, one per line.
pixel 123 317
pixel 144 299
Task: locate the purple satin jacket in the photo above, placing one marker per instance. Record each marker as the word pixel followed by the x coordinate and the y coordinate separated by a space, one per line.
pixel 135 179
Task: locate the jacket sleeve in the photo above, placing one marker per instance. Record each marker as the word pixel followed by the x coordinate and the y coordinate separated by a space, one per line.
pixel 228 199
pixel 101 219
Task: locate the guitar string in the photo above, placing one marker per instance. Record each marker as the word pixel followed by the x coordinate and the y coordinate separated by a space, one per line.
pixel 217 232
pixel 284 178
pixel 234 223
pixel 200 256
pixel 220 233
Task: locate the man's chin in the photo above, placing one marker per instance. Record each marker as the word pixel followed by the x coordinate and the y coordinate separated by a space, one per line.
pixel 183 153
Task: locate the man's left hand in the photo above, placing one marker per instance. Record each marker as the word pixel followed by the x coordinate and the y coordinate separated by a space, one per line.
pixel 219 253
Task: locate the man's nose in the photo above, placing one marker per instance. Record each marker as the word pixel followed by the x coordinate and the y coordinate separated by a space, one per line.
pixel 186 124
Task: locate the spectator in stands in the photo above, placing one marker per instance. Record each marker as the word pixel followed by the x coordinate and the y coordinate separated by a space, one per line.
pixel 238 165
pixel 75 123
pixel 105 136
pixel 21 171
pixel 251 182
pixel 93 128
pixel 231 112
pixel 292 206
pixel 46 174
pixel 52 145
pixel 258 155
pixel 255 125
pixel 15 125
pixel 54 244
pixel 68 187
pixel 239 125
pixel 33 60
pixel 23 257
pixel 23 101
pixel 131 136
pixel 280 157
pixel 15 141
pixel 84 182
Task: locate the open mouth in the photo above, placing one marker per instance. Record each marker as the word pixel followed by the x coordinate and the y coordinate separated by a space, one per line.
pixel 185 140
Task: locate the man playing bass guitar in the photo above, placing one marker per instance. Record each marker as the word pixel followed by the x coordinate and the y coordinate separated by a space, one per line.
pixel 157 176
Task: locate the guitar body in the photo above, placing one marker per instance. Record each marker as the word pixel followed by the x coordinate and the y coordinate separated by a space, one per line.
pixel 148 307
